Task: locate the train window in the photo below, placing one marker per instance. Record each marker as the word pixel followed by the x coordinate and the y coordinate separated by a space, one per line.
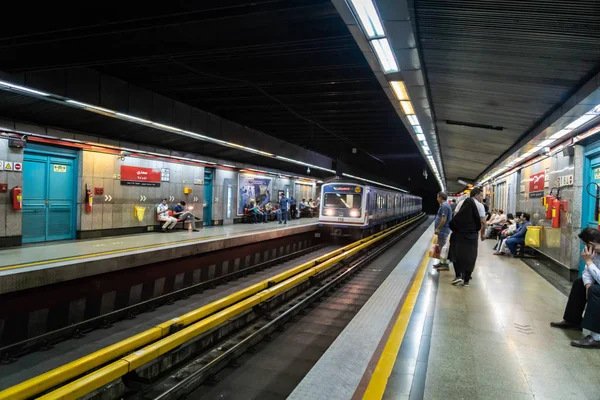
pixel 342 200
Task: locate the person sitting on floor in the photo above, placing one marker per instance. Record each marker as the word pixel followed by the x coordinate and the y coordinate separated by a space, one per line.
pixel 182 215
pixel 585 291
pixel 519 237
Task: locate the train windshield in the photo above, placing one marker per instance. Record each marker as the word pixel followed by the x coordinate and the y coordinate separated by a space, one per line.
pixel 342 200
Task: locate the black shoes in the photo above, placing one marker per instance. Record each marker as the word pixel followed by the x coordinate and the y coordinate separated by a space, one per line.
pixel 565 325
pixel 586 343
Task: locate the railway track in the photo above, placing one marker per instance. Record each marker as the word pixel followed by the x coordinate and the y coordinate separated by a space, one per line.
pixel 174 358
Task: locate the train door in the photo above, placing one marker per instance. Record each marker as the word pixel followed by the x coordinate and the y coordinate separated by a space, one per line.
pixel 208 198
pixel 49 194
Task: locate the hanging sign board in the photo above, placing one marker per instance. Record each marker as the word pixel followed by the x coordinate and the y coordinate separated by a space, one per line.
pixel 138 176
pixel 536 185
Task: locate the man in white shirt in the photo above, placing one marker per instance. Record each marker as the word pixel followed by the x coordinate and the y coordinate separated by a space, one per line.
pixel 585 291
pixel 163 215
pixel 480 208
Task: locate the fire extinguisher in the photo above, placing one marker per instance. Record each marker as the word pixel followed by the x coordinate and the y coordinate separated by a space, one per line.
pixel 556 213
pixel 548 200
pixel 16 196
pixel 88 199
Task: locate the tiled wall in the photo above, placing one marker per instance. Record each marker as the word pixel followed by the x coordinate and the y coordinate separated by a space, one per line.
pixel 102 170
pixel 559 243
pixel 10 220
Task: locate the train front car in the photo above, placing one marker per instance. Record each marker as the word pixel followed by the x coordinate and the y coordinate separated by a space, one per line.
pixel 343 208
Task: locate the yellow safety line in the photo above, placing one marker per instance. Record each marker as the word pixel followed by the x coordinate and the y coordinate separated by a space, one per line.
pixel 80 366
pixel 200 317
pixel 379 378
pixel 106 253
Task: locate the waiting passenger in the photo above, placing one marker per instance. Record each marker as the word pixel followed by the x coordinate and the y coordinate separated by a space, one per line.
pixel 453 205
pixel 259 216
pixel 293 208
pixel 442 228
pixel 519 237
pixel 284 203
pixel 182 215
pixel 467 226
pixel 163 215
pixel 509 228
pixel 585 291
pixel 495 223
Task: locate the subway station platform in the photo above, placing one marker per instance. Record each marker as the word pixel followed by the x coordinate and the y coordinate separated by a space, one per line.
pixel 36 265
pixel 419 337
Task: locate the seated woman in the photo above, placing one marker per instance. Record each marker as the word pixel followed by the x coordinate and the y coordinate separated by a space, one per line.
pixel 509 228
pixel 518 238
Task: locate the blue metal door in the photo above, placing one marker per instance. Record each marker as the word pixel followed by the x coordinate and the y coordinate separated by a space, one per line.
pixel 208 184
pixel 35 188
pixel 49 204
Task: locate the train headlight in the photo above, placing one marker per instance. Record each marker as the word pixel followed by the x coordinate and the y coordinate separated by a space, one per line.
pixel 354 213
pixel 329 212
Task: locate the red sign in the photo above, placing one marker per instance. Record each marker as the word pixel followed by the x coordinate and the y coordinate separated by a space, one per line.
pixel 536 184
pixel 18 166
pixel 138 176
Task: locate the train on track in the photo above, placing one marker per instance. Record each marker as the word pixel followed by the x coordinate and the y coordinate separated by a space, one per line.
pixel 354 210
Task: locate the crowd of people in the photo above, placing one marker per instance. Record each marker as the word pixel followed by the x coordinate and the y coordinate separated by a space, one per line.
pixel 471 220
pixel 282 211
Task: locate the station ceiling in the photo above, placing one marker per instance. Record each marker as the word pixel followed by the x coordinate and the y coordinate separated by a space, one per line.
pixel 496 69
pixel 292 69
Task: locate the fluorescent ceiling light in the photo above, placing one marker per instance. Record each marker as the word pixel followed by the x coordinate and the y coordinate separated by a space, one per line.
pixel 22 88
pixel 581 120
pixel 560 134
pixel 418 129
pixel 145 121
pixel 407 107
pixel 264 153
pixel 171 128
pixel 228 166
pixel 399 89
pixel 413 120
pixel 368 17
pixel 546 142
pixel 84 105
pixel 385 55
pixel 421 137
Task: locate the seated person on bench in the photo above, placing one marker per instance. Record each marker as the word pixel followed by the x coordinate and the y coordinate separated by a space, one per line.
pixel 163 215
pixel 585 291
pixel 182 215
pixel 519 237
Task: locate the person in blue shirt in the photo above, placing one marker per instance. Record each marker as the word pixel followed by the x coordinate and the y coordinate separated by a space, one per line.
pixel 284 205
pixel 180 213
pixel 519 236
pixel 442 227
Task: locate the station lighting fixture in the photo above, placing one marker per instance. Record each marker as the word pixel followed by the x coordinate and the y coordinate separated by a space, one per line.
pixel 228 166
pixel 407 107
pixel 385 55
pixel 20 88
pixel 582 120
pixel 399 90
pixel 421 137
pixel 417 129
pixel 91 107
pixel 368 17
pixel 414 121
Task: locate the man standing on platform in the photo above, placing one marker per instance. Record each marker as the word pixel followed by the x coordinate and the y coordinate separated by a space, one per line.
pixel 442 228
pixel 585 292
pixel 284 204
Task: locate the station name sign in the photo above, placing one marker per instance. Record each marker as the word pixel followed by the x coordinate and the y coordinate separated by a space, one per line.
pixel 138 176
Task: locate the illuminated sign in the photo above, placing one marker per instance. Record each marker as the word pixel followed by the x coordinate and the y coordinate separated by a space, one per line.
pixel 138 176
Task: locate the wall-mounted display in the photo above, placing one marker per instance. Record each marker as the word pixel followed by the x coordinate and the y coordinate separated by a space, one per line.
pixel 165 175
pixel 253 189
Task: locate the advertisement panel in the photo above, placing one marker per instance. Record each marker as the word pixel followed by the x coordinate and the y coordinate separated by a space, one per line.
pixel 139 176
pixel 536 184
pixel 253 189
